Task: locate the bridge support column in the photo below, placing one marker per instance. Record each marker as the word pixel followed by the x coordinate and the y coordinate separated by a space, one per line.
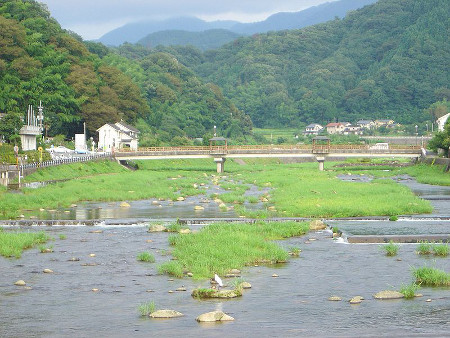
pixel 220 161
pixel 321 160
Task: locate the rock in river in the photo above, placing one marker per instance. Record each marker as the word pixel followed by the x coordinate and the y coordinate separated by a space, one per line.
pixel 48 271
pixel 215 316
pixel 335 298
pixel 20 283
pixel 156 228
pixel 356 300
pixel 166 314
pixel 125 205
pixel 388 294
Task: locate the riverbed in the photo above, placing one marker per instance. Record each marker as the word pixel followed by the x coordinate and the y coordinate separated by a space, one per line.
pixel 63 303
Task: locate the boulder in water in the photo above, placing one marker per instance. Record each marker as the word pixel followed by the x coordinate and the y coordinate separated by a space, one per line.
pixel 166 314
pixel 388 294
pixel 317 224
pixel 215 316
pixel 156 228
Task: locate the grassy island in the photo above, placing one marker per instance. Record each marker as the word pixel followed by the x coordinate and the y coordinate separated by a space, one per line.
pixel 297 189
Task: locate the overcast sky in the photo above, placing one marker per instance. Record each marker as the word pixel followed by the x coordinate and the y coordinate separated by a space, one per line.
pixel 93 18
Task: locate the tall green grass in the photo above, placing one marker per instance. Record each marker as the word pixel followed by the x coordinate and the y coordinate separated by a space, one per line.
pixel 12 244
pixel 223 246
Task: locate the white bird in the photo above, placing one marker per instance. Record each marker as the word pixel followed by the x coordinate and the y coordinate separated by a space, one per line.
pixel 218 280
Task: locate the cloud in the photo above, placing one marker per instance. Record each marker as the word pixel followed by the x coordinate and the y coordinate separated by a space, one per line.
pixel 91 19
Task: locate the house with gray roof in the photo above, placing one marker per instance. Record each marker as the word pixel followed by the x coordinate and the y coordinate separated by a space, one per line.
pixel 117 136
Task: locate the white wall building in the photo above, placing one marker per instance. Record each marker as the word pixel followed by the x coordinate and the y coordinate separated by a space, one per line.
pixel 313 129
pixel 117 136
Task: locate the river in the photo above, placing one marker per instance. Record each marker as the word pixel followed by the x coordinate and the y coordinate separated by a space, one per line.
pixel 294 304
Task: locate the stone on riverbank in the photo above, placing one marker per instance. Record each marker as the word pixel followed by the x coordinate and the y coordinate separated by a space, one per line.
pixel 317 225
pixel 215 316
pixel 180 199
pixel 388 294
pixel 165 314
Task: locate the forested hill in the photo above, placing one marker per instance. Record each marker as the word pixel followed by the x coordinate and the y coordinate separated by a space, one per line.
pixel 40 61
pixel 389 59
pixel 80 82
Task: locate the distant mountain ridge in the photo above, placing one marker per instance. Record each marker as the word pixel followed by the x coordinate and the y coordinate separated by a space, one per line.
pixel 133 32
pixel 209 39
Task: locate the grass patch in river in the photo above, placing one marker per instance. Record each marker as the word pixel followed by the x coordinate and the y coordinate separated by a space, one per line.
pixel 145 257
pixel 428 276
pixel 145 309
pixel 409 291
pixel 223 246
pixel 12 244
pixel 390 249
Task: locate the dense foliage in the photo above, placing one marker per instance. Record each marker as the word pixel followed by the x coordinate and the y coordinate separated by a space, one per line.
pixel 81 82
pixel 40 61
pixel 182 105
pixel 387 60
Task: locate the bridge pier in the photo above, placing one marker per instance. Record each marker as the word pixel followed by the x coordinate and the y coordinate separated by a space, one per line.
pixel 321 160
pixel 220 161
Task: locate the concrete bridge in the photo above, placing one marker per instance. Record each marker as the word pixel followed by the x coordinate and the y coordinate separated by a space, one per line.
pixel 319 152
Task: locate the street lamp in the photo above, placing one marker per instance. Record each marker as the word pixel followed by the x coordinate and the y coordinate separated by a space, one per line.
pixel 417 134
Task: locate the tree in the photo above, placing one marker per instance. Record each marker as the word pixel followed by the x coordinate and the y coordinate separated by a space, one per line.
pixel 441 140
pixel 10 126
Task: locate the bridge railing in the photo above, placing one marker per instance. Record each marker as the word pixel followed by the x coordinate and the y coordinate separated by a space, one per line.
pixel 321 148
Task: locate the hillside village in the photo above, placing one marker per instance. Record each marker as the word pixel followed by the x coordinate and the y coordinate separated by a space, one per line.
pixel 346 128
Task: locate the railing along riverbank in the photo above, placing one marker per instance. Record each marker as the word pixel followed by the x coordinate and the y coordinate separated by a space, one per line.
pixel 74 159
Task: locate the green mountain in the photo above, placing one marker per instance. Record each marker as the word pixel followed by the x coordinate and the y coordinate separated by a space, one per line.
pixel 386 60
pixel 209 39
pixel 40 61
pixel 81 81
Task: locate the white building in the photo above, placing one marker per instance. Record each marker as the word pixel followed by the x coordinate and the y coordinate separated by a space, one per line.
pixel 441 121
pixel 117 136
pixel 32 128
pixel 313 129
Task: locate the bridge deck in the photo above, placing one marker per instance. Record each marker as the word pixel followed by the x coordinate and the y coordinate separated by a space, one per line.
pixel 269 151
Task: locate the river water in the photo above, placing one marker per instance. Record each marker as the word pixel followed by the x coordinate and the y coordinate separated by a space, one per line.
pixel 294 304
